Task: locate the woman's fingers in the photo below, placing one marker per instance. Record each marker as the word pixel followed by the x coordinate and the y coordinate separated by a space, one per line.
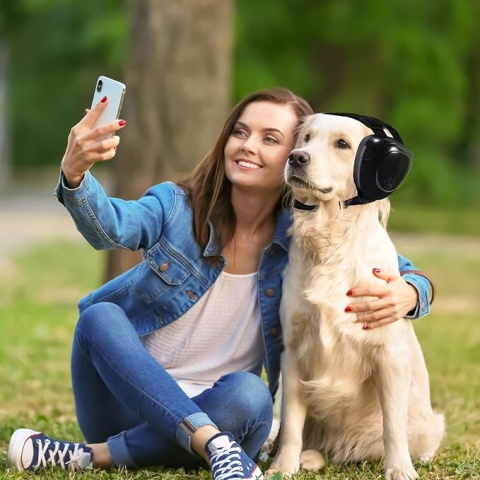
pixel 91 116
pixel 106 130
pixel 95 151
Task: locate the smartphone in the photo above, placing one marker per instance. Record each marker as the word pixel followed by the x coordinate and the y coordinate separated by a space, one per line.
pixel 115 92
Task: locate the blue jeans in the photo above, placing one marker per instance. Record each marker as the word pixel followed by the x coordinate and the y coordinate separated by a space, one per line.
pixel 125 397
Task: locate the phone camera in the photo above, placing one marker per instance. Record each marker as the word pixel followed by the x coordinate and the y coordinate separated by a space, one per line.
pixel 99 85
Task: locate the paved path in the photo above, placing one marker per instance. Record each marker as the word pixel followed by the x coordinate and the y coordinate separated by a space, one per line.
pixel 27 219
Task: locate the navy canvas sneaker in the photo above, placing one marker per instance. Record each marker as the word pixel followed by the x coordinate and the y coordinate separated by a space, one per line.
pixel 30 450
pixel 228 461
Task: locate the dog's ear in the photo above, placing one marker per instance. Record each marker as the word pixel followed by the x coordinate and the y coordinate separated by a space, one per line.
pixel 382 161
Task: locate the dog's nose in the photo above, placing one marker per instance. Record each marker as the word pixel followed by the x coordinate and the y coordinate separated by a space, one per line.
pixel 298 158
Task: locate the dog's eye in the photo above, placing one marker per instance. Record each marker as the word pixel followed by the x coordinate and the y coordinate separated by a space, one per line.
pixel 341 143
pixel 307 138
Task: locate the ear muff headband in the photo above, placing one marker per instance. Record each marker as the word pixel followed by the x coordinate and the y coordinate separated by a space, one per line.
pixel 381 162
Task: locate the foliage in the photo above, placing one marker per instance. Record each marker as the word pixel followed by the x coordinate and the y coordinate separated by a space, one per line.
pixel 413 64
pixel 406 62
pixel 57 50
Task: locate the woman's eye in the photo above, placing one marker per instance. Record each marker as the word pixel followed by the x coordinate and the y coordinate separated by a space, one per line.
pixel 271 140
pixel 341 143
pixel 239 132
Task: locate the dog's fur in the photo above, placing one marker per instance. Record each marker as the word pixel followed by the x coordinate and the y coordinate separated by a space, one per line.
pixel 350 393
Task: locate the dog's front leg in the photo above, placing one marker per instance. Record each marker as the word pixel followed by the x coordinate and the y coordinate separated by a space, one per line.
pixel 293 414
pixel 393 372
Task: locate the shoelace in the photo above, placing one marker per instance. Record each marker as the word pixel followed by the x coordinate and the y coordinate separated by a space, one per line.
pixel 44 447
pixel 228 466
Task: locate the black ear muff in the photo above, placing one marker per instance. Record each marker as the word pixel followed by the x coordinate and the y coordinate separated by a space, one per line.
pixel 382 161
pixel 381 165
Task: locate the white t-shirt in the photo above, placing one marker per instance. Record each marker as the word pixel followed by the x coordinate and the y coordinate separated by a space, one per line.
pixel 221 333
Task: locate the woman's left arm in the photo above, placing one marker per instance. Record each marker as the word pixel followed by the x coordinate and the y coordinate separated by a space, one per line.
pixel 406 293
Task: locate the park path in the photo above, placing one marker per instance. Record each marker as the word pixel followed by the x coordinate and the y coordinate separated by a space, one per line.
pixel 29 217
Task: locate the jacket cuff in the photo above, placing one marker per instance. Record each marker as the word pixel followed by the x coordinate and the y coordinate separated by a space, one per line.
pixel 422 285
pixel 62 189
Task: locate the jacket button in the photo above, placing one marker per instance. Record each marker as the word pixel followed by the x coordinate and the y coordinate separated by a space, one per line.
pixel 270 292
pixel 191 295
pixel 275 332
pixel 164 267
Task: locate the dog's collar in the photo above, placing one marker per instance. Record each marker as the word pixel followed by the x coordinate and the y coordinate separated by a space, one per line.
pixel 303 206
pixel 347 203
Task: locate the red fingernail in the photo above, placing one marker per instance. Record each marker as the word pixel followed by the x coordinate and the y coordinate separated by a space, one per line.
pixel 86 111
pixel 376 270
pixel 104 99
pixel 349 293
pixel 348 309
pixel 122 123
pixel 366 326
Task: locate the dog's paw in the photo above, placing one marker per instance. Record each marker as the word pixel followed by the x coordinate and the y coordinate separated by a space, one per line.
pixel 273 475
pixel 395 473
pixel 311 460
pixel 426 457
pixel 281 469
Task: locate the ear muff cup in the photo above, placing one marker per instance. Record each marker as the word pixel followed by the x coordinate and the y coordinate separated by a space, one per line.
pixel 381 165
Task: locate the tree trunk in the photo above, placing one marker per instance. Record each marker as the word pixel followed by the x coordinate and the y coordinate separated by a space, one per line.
pixel 5 161
pixel 178 95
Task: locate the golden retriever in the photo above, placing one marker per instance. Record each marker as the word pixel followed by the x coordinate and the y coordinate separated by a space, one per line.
pixel 350 393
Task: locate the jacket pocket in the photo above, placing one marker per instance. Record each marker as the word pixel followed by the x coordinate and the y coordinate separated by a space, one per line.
pixel 158 273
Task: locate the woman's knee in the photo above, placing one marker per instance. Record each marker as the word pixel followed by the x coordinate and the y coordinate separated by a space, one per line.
pixel 249 393
pixel 100 316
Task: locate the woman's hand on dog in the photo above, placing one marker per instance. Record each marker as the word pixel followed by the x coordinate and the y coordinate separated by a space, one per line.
pixel 394 300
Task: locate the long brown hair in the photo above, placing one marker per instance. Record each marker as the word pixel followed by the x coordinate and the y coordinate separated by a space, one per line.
pixel 208 187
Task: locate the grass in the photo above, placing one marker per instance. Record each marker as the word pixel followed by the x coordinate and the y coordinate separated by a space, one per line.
pixel 38 299
pixel 423 219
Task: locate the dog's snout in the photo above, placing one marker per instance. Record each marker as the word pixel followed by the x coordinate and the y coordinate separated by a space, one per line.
pixel 298 158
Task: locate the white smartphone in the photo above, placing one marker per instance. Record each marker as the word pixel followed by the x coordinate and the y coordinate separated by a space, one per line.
pixel 115 92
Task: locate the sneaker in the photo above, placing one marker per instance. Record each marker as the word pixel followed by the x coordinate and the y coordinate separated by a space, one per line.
pixel 228 461
pixel 29 450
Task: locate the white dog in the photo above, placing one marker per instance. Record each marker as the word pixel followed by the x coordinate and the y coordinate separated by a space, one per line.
pixel 350 393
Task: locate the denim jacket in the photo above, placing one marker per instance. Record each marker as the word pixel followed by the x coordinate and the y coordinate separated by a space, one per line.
pixel 175 273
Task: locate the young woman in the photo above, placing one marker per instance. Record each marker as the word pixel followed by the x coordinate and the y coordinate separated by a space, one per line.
pixel 167 357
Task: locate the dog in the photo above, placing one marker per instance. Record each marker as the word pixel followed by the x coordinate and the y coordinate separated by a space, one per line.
pixel 348 392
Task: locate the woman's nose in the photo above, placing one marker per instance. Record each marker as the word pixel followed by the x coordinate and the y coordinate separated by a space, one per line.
pixel 249 145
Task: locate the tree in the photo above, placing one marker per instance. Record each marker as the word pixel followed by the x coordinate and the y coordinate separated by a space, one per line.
pixel 178 94
pixel 4 131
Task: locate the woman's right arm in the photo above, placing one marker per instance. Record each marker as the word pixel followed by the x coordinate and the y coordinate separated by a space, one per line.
pixel 105 222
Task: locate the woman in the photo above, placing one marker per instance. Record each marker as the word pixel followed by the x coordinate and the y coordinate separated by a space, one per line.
pixel 167 357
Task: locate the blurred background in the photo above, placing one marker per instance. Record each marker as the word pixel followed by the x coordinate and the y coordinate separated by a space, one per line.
pixel 413 64
pixel 416 65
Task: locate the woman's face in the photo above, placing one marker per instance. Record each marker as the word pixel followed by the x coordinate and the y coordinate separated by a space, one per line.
pixel 257 149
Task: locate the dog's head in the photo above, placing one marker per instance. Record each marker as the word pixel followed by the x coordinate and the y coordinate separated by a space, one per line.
pixel 325 167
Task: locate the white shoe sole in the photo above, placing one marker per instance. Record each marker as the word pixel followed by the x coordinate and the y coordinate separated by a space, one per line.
pixel 15 447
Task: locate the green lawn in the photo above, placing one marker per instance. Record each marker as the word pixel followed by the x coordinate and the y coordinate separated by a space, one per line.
pixel 38 312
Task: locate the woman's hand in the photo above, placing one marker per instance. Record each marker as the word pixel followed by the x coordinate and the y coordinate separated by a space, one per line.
pixel 394 300
pixel 85 147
